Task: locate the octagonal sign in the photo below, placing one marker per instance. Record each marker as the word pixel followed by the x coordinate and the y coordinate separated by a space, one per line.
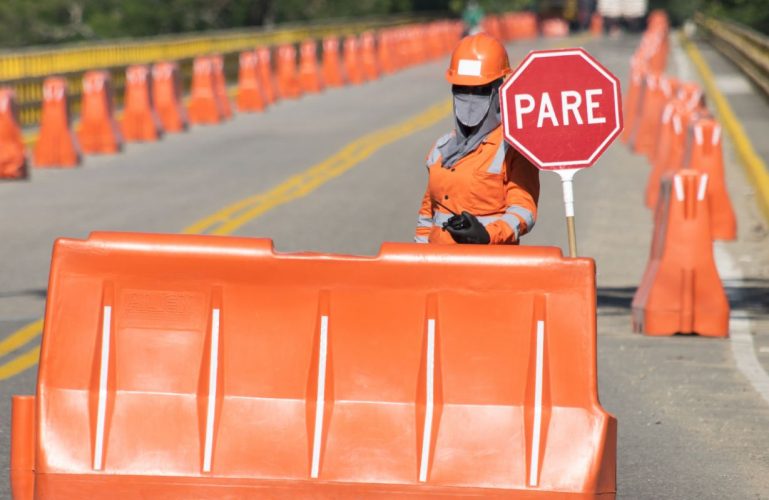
pixel 561 109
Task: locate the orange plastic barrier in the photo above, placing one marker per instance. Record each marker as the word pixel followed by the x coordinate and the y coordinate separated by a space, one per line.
pixel 652 103
pixel 167 97
pixel 309 71
pixel 204 105
pixel 631 101
pixel 22 447
pixel 352 61
pixel 674 137
pixel 250 97
pixel 705 155
pixel 13 158
pixel 555 28
pixel 288 80
pixel 596 25
pixel 182 366
pixel 681 291
pixel 56 144
pixel 99 132
pixel 368 56
pixel 332 65
pixel 265 75
pixel 140 123
pixel 220 86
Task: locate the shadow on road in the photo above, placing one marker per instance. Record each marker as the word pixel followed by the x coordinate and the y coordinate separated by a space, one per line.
pixel 750 296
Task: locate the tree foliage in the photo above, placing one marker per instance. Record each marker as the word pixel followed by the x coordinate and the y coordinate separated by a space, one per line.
pixel 35 22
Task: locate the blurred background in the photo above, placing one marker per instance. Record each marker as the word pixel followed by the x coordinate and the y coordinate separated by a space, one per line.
pixel 39 22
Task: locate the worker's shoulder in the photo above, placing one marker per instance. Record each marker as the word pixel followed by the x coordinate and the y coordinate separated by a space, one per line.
pixel 435 153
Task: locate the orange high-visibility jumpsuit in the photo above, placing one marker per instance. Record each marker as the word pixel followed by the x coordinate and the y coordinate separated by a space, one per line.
pixel 494 182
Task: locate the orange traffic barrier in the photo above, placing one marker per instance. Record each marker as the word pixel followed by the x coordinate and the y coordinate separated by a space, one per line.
pixel 648 128
pixel 56 144
pixel 673 138
pixel 681 291
pixel 631 101
pixel 22 447
pixel 99 132
pixel 167 97
pixel 220 86
pixel 181 366
pixel 288 80
pixel 555 28
pixel 250 97
pixel 705 155
pixel 352 61
pixel 332 65
pixel 309 71
pixel 13 158
pixel 204 105
pixel 266 80
pixel 596 24
pixel 140 122
pixel 368 56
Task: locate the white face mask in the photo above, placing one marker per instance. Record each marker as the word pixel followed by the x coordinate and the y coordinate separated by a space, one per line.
pixel 470 109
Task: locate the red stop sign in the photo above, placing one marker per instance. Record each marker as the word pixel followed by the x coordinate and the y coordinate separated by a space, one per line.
pixel 561 109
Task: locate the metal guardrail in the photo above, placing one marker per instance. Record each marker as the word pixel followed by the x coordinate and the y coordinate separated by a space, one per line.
pixel 25 71
pixel 745 47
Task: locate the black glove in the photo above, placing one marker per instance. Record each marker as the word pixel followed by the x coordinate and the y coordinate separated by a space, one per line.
pixel 466 228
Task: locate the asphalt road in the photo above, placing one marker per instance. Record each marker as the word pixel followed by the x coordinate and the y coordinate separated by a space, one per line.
pixel 690 424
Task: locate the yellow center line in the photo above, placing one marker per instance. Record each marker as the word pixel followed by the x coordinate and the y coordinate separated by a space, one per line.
pixel 752 162
pixel 230 218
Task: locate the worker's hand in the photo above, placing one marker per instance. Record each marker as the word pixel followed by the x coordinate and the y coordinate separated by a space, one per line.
pixel 466 228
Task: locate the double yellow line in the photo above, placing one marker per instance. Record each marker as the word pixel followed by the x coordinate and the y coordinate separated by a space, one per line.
pixel 230 218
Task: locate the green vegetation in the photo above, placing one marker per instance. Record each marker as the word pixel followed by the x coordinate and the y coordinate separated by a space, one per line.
pixel 36 22
pixel 753 13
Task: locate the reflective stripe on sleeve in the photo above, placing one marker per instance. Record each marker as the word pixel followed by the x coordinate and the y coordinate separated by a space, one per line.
pixel 420 239
pixel 524 214
pixel 424 221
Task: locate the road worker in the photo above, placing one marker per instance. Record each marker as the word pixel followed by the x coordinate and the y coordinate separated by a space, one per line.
pixel 479 189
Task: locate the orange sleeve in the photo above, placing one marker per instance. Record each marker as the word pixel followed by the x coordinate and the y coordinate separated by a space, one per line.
pixel 522 194
pixel 424 219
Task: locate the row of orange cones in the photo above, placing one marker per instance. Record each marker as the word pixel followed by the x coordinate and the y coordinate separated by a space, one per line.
pixel 153 101
pixel 668 122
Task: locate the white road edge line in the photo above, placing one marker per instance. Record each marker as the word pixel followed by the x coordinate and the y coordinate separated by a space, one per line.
pixel 101 412
pixel 321 396
pixel 213 367
pixel 535 439
pixel 429 401
pixel 740 326
pixel 740 337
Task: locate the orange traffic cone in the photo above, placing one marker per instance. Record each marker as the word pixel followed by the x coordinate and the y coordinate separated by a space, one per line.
pixel 266 80
pixel 140 123
pixel 250 96
pixel 681 291
pixel 384 53
pixel 13 159
pixel 288 82
pixel 309 72
pixel 167 97
pixel 56 144
pixel 352 62
pixel 368 56
pixel 204 105
pixel 98 133
pixel 220 86
pixel 332 66
pixel 705 155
